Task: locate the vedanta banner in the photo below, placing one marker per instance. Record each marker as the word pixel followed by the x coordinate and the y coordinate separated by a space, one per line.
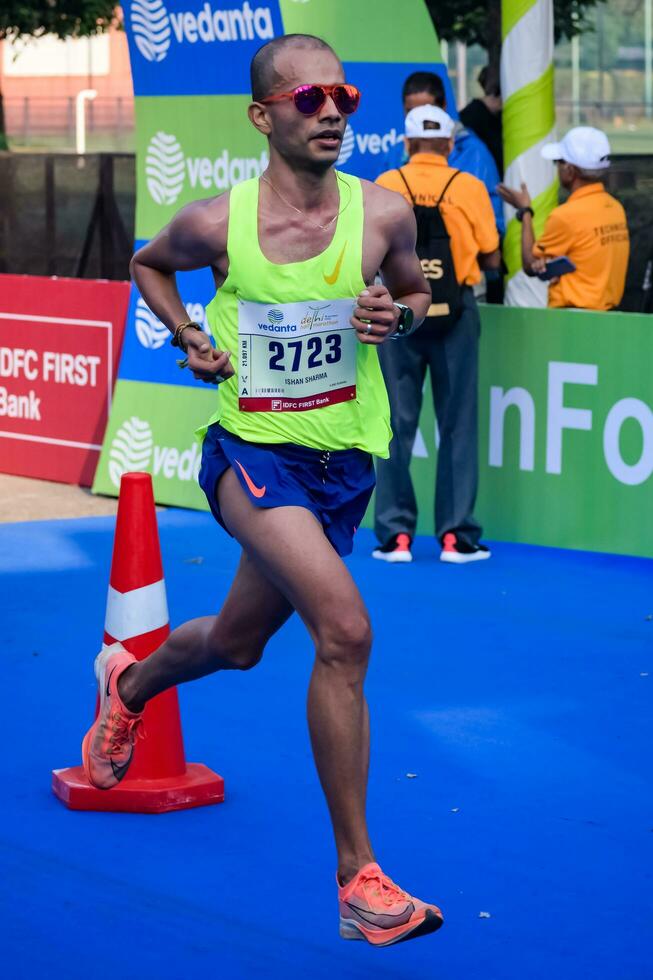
pixel 190 63
pixel 566 432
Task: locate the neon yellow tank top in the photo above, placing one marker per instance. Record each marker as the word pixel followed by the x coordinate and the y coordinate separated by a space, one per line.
pixel 336 273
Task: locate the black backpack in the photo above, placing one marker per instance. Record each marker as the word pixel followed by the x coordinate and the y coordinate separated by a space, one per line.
pixel 434 252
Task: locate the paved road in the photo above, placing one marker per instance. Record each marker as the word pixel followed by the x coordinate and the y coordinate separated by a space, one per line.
pixel 36 500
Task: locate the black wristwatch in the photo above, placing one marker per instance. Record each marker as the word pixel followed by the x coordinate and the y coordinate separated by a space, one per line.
pixel 405 322
pixel 520 212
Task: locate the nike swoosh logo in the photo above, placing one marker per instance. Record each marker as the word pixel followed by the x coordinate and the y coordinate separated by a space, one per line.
pixel 121 771
pixel 109 681
pixel 251 486
pixel 330 280
pixel 398 918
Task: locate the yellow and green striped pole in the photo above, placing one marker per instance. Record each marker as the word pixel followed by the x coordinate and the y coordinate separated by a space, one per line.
pixel 528 123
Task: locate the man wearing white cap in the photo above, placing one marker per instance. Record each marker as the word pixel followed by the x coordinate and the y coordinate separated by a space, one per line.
pixel 457 235
pixel 589 229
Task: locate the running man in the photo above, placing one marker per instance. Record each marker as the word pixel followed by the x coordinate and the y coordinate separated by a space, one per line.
pixel 287 457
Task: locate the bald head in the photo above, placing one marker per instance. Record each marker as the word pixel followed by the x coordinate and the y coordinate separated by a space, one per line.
pixel 262 71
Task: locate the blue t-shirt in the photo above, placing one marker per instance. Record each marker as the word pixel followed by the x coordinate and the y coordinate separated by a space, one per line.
pixel 469 154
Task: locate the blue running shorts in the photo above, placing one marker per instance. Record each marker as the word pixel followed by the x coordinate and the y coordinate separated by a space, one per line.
pixel 335 486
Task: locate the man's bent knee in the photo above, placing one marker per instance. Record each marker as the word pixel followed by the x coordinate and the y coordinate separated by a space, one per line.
pixel 244 659
pixel 346 640
pixel 236 653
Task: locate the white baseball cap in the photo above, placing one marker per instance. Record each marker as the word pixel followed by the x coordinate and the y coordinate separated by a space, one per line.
pixel 584 147
pixel 429 122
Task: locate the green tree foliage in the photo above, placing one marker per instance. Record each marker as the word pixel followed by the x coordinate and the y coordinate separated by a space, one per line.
pixel 469 20
pixel 479 22
pixel 64 18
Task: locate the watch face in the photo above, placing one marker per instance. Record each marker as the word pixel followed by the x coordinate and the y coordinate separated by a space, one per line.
pixel 406 319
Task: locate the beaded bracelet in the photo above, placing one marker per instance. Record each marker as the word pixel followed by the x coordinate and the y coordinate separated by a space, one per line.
pixel 177 338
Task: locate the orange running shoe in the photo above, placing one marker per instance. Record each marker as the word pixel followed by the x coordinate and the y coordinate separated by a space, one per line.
pixel 372 907
pixel 108 746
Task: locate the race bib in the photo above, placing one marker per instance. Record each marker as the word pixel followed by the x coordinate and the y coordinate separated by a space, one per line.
pixel 295 356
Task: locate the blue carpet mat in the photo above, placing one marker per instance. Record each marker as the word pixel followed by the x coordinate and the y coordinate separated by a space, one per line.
pixel 518 691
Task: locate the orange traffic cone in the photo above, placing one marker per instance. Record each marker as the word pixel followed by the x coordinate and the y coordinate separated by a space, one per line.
pixel 137 615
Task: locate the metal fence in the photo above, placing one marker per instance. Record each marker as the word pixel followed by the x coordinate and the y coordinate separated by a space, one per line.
pixel 67 215
pixel 595 112
pixel 49 122
pixel 40 121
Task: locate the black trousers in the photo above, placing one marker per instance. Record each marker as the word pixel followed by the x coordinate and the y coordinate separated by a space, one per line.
pixel 453 363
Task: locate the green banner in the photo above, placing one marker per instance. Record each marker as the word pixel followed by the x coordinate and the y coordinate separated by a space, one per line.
pixel 190 147
pixel 378 32
pixel 151 429
pixel 566 431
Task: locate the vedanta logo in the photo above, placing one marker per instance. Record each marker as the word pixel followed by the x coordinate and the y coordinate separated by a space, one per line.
pixel 149 329
pixel 131 449
pixel 373 143
pixel 275 316
pixel 347 146
pixel 153 334
pixel 151 28
pixel 166 169
pixel 154 28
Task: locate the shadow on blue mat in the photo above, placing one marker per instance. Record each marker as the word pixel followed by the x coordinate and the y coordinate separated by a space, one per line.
pixel 517 690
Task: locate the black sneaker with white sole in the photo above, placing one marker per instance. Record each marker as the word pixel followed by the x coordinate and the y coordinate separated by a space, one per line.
pixel 395 550
pixel 458 552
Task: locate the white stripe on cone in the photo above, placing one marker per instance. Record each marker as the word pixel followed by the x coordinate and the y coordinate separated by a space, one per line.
pixel 136 612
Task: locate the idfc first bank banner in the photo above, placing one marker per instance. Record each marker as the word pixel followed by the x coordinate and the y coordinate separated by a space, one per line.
pixel 59 345
pixel 190 63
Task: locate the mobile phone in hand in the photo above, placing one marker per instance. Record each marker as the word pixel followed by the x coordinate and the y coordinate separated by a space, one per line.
pixel 556 268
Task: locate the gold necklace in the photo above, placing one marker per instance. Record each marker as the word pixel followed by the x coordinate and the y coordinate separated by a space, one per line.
pixel 303 213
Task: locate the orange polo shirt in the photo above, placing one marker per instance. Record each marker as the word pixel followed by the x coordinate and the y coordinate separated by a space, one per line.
pixel 590 229
pixel 466 208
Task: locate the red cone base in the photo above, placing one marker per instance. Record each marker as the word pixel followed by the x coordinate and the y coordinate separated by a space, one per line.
pixel 198 786
pixel 159 778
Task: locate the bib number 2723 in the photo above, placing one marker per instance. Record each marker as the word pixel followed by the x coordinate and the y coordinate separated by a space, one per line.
pixel 305 355
pixel 296 357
